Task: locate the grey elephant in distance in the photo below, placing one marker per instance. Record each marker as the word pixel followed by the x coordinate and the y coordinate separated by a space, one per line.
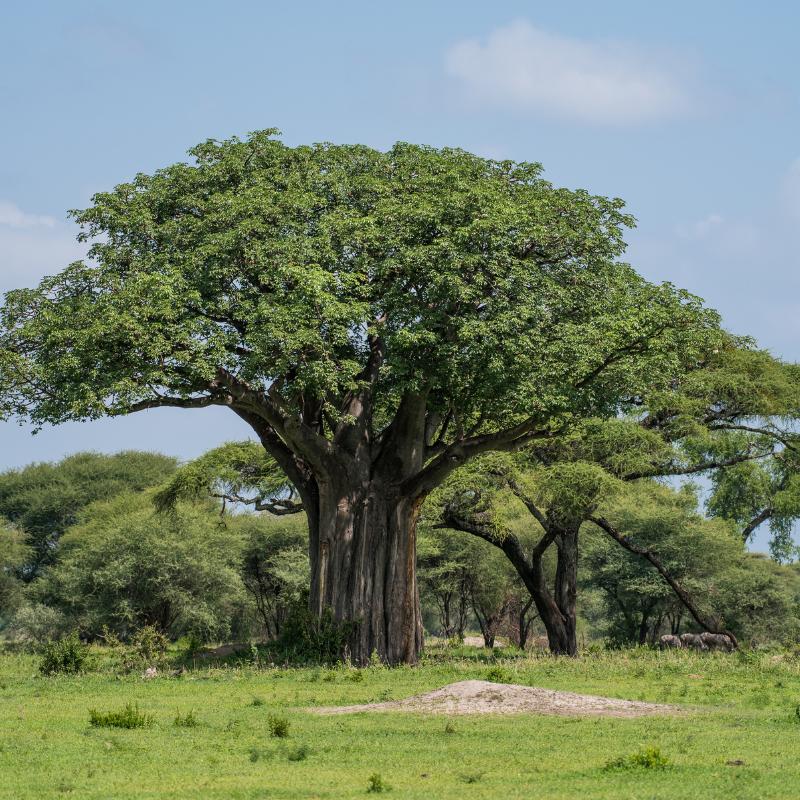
pixel 717 641
pixel 693 640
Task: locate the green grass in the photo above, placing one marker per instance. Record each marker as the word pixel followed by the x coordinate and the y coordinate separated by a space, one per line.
pixel 129 717
pixel 743 741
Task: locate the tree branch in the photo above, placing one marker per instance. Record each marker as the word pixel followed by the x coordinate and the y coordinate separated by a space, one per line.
pixel 529 504
pixel 681 593
pixel 779 437
pixel 694 468
pixel 759 518
pixel 176 402
pixel 462 450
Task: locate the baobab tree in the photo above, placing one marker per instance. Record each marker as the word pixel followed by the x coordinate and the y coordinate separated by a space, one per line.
pixel 377 318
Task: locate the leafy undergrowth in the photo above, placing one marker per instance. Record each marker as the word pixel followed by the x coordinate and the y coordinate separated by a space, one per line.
pixel 741 742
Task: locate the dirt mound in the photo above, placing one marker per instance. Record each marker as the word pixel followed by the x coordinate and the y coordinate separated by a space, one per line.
pixel 484 697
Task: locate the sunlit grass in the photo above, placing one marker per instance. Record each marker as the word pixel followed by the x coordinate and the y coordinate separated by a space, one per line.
pixel 742 741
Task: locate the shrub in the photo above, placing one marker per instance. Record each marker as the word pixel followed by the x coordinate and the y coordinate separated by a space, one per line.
pixel 190 645
pixel 149 644
pixel 187 720
pixel 299 753
pixel 311 639
pixel 498 675
pixel 376 783
pixel 35 625
pixel 647 758
pixel 278 726
pixel 128 717
pixel 66 655
pixel 125 566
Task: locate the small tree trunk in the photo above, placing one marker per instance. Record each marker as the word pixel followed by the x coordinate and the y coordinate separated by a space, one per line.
pixel 363 568
pixel 555 624
pixel 643 628
pixel 446 627
pixel 566 585
pixel 463 608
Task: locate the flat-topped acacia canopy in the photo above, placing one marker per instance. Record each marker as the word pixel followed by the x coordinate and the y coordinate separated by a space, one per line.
pixel 377 318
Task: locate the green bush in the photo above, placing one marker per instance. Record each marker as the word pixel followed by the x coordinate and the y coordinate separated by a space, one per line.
pixel 377 784
pixel 149 644
pixel 278 726
pixel 187 720
pixel 128 717
pixel 126 568
pixel 498 675
pixel 299 753
pixel 66 655
pixel 647 758
pixel 36 624
pixel 309 639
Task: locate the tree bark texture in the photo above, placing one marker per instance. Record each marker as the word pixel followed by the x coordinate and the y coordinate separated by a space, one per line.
pixel 363 568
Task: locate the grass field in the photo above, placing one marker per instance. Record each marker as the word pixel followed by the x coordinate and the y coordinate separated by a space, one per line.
pixel 742 742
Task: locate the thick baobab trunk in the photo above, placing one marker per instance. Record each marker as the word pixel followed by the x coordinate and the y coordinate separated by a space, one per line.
pixel 363 568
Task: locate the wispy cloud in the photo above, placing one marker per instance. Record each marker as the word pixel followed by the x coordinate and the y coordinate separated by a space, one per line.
pixel 701 228
pixel 29 253
pixel 13 216
pixel 524 68
pixel 742 265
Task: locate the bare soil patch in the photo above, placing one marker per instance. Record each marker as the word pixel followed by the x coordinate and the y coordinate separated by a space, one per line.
pixel 485 697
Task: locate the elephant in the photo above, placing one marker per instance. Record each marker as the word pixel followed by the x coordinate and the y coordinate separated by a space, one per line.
pixel 717 641
pixel 693 640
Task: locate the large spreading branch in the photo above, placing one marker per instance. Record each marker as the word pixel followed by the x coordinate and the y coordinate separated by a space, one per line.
pixel 692 469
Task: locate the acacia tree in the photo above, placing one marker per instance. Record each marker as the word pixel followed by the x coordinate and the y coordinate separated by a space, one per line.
pixel 42 500
pixel 758 493
pixel 377 318
pixel 699 553
pixel 734 410
pixel 237 473
pixel 13 554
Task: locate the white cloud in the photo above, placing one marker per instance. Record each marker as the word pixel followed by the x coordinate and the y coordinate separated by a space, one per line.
pixel 527 69
pixel 702 228
pixel 28 254
pixel 12 216
pixel 744 265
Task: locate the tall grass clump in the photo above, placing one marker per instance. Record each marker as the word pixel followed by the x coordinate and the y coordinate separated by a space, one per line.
pixel 129 717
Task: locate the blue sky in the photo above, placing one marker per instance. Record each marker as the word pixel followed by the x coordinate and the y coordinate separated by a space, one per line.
pixel 690 111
